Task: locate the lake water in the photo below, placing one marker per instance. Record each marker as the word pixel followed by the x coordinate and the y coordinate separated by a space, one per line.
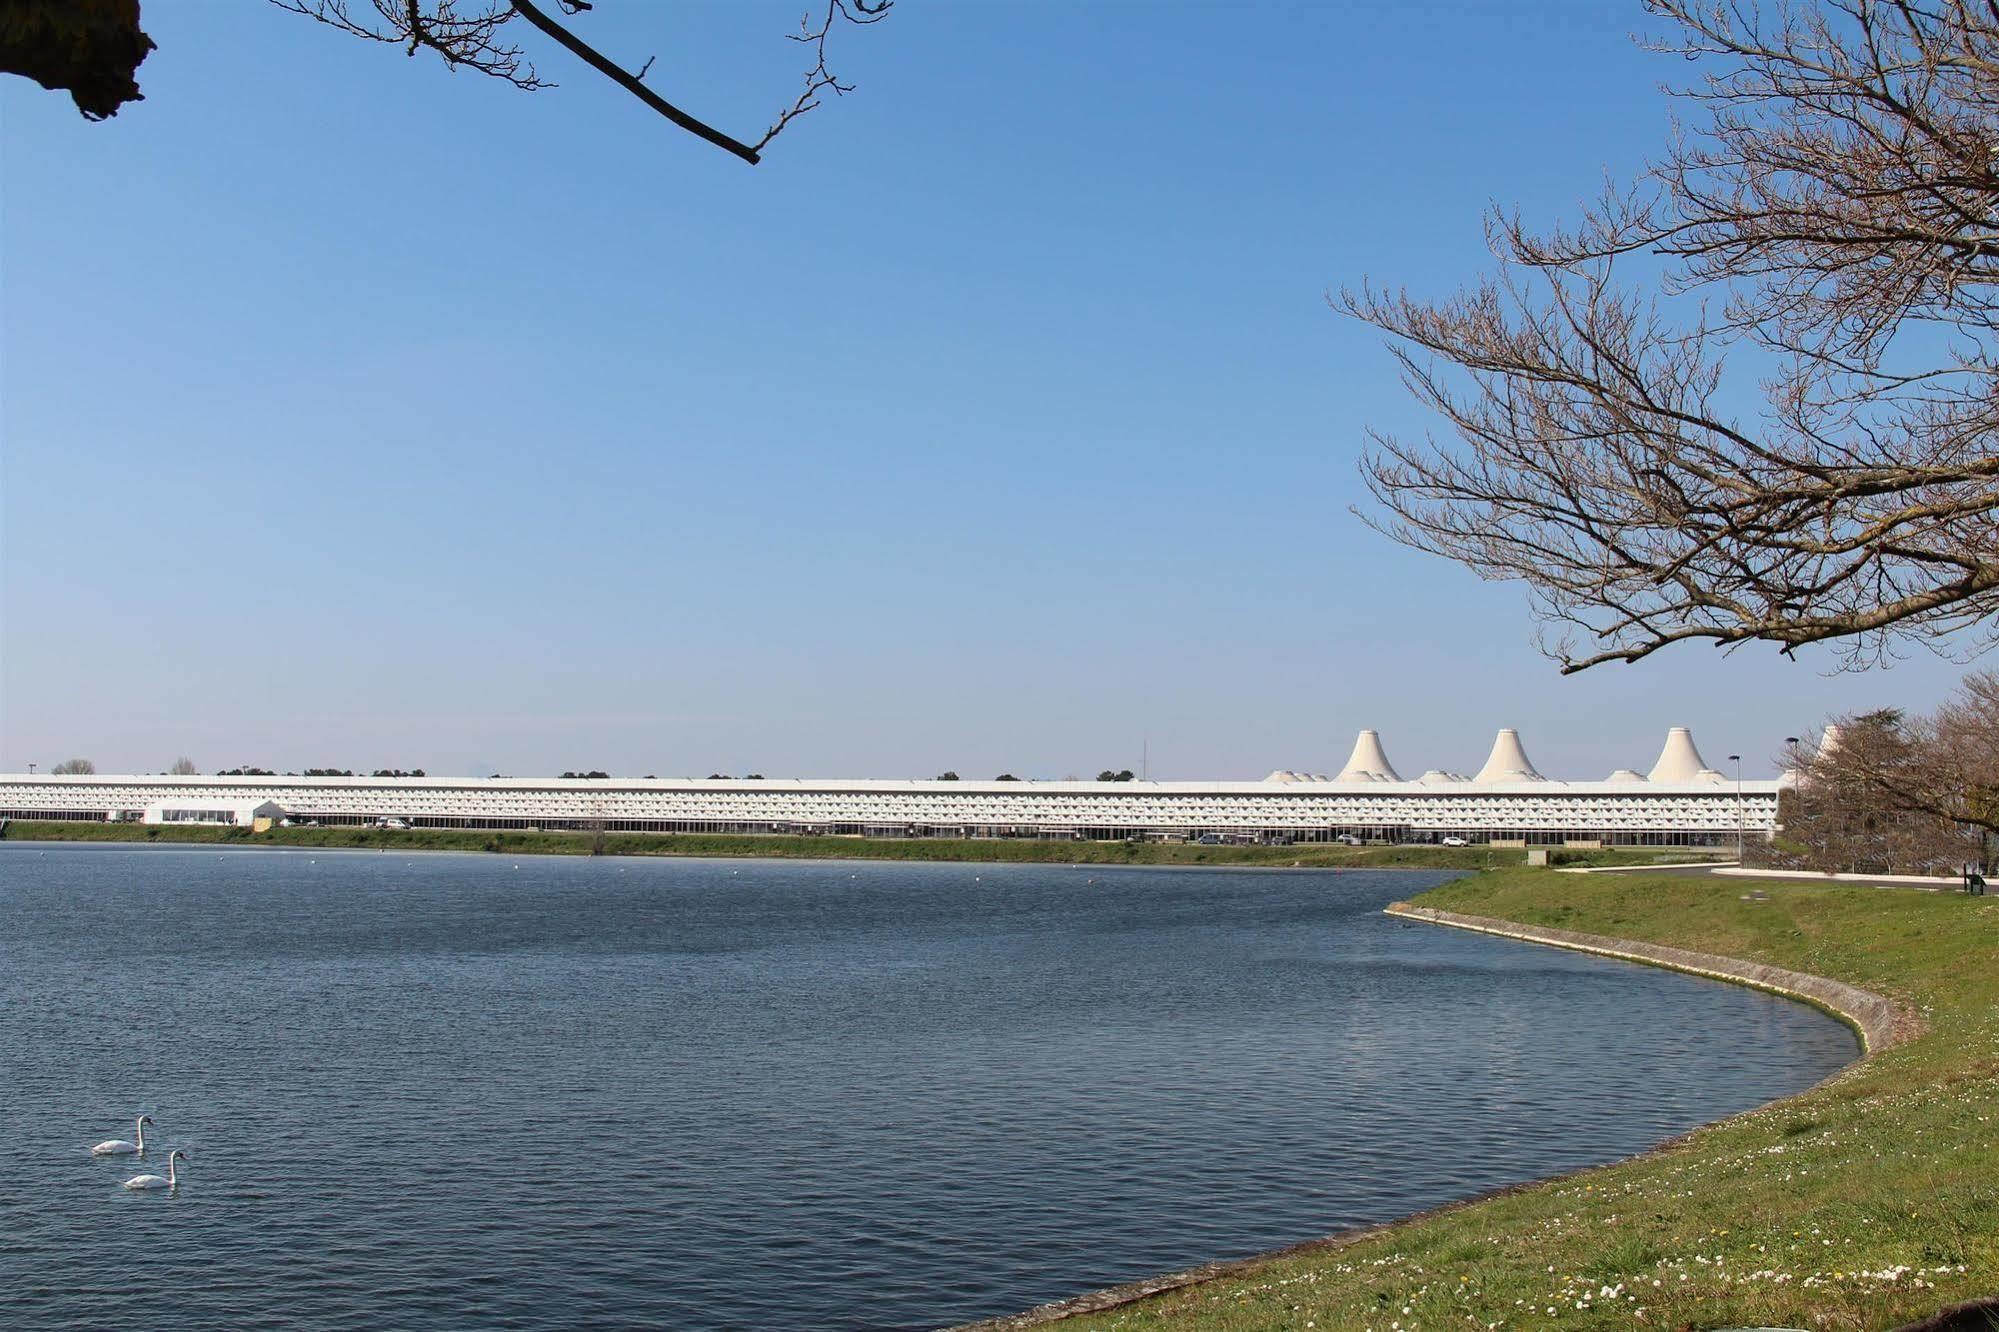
pixel 456 1091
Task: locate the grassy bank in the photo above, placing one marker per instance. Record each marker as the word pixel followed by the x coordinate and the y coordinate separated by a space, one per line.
pixel 809 848
pixel 1864 1204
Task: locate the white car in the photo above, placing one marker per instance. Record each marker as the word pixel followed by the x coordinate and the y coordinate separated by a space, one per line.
pixel 1455 841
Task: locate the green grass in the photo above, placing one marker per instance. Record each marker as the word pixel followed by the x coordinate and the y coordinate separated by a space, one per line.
pixel 1865 1203
pixel 1320 855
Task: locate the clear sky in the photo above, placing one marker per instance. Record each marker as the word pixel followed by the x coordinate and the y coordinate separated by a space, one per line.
pixel 361 414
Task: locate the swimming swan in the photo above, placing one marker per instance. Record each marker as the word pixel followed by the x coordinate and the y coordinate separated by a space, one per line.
pixel 154 1181
pixel 120 1147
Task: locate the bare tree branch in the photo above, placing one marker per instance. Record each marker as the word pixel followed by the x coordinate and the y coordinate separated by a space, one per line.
pixel 465 39
pixel 630 83
pixel 819 79
pixel 471 39
pixel 92 48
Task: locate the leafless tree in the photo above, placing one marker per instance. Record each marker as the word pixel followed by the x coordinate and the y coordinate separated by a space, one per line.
pixel 183 767
pixel 77 767
pixel 1783 428
pixel 475 36
pixel 1943 765
pixel 1847 813
pixel 1900 791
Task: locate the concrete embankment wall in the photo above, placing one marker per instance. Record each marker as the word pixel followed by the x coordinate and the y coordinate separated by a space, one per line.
pixel 1878 1020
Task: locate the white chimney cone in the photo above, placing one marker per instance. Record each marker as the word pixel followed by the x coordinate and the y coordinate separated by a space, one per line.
pixel 1679 761
pixel 1367 763
pixel 1508 761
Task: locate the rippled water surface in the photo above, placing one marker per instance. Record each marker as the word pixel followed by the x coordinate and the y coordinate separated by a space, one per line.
pixel 456 1091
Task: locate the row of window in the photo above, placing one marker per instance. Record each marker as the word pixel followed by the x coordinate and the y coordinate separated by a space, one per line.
pixel 1723 810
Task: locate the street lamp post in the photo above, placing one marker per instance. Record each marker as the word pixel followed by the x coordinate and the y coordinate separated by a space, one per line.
pixel 1741 816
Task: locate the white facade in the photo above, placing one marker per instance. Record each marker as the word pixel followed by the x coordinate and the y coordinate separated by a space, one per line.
pixel 203 807
pixel 1517 804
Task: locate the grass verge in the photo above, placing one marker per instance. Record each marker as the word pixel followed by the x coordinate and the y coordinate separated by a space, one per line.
pixel 1868 1202
pixel 1319 855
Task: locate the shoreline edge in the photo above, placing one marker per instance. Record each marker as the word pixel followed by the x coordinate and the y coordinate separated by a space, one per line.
pixel 1879 1022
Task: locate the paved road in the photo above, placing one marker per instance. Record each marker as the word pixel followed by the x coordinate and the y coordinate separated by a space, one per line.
pixel 1708 872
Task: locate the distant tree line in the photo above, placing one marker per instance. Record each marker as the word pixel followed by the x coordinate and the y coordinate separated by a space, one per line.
pixel 1107 775
pixel 248 771
pixel 186 767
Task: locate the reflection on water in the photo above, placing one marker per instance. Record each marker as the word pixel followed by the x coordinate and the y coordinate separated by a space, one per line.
pixel 442 1091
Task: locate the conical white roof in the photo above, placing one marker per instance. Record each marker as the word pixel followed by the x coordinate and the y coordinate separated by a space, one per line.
pixel 1829 742
pixel 1368 763
pixel 1679 761
pixel 1508 761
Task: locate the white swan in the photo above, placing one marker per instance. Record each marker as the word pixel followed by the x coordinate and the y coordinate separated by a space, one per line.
pixel 154 1181
pixel 120 1147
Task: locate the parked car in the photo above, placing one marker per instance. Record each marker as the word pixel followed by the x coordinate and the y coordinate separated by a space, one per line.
pixel 1455 841
pixel 1347 839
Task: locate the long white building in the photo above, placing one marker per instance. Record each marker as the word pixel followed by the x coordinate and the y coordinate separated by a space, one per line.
pixel 1680 801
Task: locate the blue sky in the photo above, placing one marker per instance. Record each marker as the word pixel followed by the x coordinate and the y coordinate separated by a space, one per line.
pixel 359 413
